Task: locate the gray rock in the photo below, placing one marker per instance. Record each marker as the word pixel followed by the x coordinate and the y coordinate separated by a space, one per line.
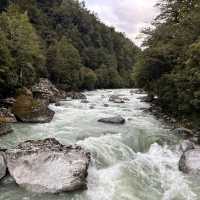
pixel 46 166
pixel 106 105
pixel 126 99
pixel 138 91
pixel 84 101
pixel 5 129
pixel 113 120
pixel 6 116
pixel 92 106
pixel 119 101
pixel 148 99
pixel 186 145
pixel 114 97
pixel 183 132
pixel 3 166
pixel 57 104
pixel 46 90
pixel 76 95
pixel 190 161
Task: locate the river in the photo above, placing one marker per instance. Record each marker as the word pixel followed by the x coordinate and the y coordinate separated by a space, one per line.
pixel 134 161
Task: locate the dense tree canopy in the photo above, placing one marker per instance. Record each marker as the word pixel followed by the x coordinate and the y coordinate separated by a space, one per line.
pixel 169 66
pixel 21 53
pixel 62 40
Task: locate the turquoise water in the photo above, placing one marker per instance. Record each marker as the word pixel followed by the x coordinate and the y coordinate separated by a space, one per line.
pixel 134 161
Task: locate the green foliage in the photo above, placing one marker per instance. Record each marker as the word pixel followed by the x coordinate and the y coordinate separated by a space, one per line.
pixel 6 61
pixel 170 64
pixel 57 38
pixel 21 45
pixel 64 62
pixel 88 78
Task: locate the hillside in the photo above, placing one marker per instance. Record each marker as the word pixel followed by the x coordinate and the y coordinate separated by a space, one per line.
pixel 63 41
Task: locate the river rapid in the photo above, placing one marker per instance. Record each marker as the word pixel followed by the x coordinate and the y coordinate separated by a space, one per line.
pixel 134 161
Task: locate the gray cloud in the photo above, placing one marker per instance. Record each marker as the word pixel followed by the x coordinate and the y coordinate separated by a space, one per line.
pixel 128 16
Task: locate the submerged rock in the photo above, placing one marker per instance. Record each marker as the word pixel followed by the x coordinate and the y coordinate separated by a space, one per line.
pixel 113 120
pixel 116 99
pixel 190 161
pixel 119 101
pixel 46 166
pixel 57 104
pixel 148 99
pixel 84 101
pixel 5 129
pixel 186 145
pixel 76 95
pixel 3 166
pixel 29 110
pixel 183 132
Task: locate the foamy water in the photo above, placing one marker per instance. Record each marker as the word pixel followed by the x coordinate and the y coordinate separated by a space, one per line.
pixel 134 161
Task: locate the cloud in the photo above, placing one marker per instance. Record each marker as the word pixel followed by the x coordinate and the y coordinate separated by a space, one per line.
pixel 128 16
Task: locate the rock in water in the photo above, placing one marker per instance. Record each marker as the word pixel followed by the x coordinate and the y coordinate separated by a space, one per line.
pixel 113 98
pixel 30 110
pixel 76 95
pixel 190 161
pixel 183 132
pixel 5 129
pixel 186 145
pixel 84 101
pixel 46 166
pixel 2 165
pixel 113 120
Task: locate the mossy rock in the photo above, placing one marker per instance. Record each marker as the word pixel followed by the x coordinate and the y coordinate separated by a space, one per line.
pixel 27 109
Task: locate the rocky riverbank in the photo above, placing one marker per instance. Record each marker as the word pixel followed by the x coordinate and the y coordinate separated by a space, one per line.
pixel 190 146
pixel 30 105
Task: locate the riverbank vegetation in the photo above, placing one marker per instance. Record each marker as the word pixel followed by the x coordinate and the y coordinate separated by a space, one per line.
pixel 63 41
pixel 169 67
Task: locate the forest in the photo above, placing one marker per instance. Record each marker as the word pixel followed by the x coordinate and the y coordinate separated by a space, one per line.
pixel 63 41
pixel 169 66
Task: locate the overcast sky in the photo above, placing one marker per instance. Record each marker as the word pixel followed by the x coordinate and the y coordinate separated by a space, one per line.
pixel 128 16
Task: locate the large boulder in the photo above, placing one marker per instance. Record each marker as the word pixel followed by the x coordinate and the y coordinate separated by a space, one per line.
pixel 46 166
pixel 190 161
pixel 76 95
pixel 5 129
pixel 46 90
pixel 113 120
pixel 6 116
pixel 3 166
pixel 30 110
